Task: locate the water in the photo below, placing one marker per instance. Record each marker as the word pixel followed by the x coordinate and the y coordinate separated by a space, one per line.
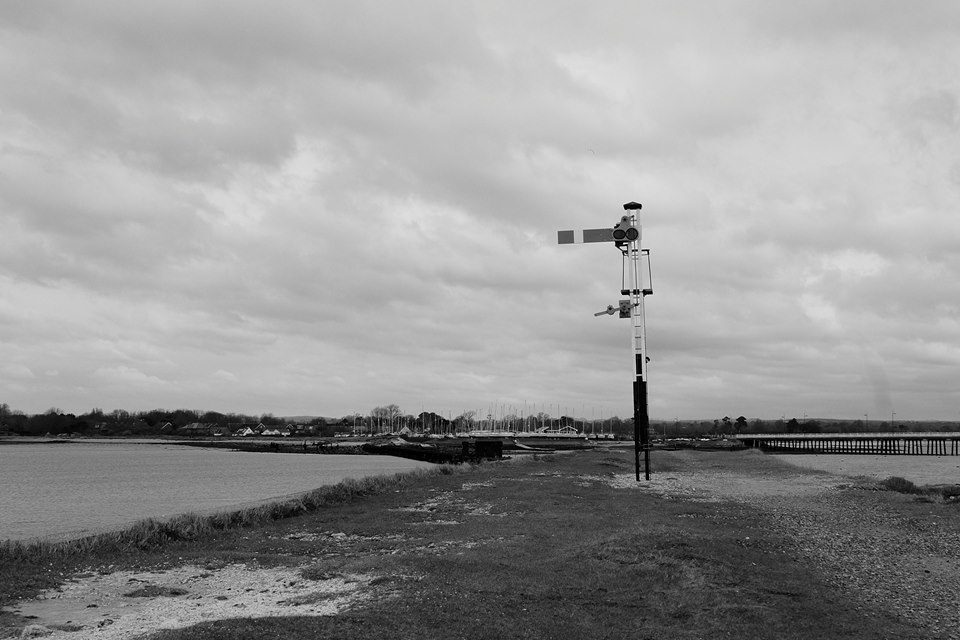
pixel 60 491
pixel 917 469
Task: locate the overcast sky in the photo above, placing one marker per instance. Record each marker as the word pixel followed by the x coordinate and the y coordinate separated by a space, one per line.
pixel 321 207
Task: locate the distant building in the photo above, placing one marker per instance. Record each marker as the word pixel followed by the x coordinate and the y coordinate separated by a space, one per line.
pixel 195 429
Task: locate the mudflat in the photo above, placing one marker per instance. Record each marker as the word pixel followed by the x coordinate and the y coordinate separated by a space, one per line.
pixel 718 544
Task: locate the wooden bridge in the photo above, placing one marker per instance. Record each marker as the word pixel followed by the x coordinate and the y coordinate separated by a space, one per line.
pixel 903 444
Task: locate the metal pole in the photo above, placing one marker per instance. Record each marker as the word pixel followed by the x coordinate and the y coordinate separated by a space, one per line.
pixel 627 240
pixel 641 419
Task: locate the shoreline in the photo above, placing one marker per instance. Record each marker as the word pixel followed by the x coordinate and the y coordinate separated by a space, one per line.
pixel 150 531
pixel 96 488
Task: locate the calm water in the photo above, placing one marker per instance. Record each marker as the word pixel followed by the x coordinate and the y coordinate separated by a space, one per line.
pixel 917 469
pixel 57 491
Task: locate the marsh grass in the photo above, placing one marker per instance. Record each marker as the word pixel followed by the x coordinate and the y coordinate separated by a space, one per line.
pixel 949 493
pixel 900 485
pixel 152 533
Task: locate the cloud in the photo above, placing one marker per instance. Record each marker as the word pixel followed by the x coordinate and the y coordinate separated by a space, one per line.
pixel 224 375
pixel 313 208
pixel 127 376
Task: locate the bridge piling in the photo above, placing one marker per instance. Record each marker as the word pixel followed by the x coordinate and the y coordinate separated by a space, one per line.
pixel 861 444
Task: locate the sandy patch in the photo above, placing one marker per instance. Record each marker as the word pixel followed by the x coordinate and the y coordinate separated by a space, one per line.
pixel 448 502
pixel 126 603
pixel 714 486
pixel 338 537
pixel 468 486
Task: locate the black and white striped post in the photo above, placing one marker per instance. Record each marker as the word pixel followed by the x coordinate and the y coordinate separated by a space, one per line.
pixel 626 237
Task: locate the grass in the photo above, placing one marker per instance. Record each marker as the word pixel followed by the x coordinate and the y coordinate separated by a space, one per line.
pixel 557 556
pixel 900 485
pixel 948 493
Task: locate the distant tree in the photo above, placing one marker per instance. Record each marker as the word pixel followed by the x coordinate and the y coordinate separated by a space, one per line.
pixel 793 426
pixel 180 417
pixel 384 417
pixel 741 424
pixel 53 422
pixel 351 420
pixel 213 417
pixel 430 421
pixel 464 421
pixel 811 426
pixel 621 428
pixel 388 412
pixel 18 422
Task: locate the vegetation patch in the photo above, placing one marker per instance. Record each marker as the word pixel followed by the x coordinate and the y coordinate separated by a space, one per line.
pixel 947 493
pixel 900 485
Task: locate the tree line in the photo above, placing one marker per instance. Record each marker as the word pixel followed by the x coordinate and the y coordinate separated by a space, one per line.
pixel 741 425
pixel 141 423
pixel 381 419
pixel 390 419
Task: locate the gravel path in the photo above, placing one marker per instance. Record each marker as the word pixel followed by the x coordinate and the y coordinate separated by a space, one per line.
pixel 883 549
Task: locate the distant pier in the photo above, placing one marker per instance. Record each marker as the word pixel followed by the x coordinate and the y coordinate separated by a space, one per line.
pixel 905 444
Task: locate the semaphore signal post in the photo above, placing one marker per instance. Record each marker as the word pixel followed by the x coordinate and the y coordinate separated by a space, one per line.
pixel 625 235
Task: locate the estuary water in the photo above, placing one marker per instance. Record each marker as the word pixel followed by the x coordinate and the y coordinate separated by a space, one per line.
pixel 66 490
pixel 917 469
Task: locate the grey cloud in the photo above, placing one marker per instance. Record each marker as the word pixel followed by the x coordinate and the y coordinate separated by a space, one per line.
pixel 887 19
pixel 357 204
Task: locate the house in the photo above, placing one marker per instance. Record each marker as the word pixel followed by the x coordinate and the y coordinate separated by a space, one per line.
pixel 244 432
pixel 270 432
pixel 195 429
